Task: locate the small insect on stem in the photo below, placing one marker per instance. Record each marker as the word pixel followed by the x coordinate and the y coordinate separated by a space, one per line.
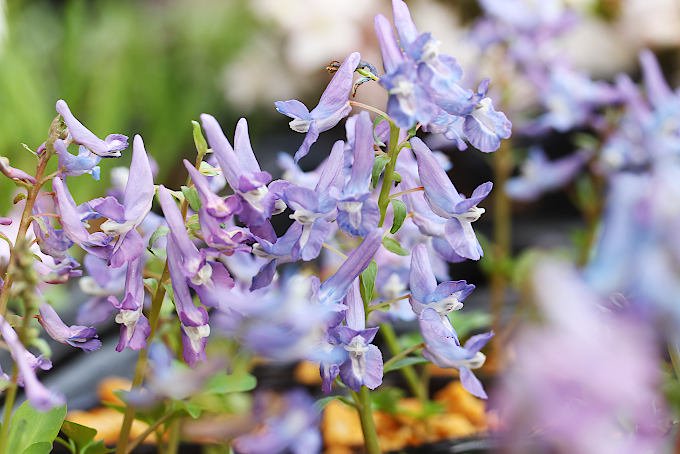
pixel 333 66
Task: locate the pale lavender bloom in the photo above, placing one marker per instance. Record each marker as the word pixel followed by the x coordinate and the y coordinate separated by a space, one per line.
pixel 258 198
pixel 101 282
pixel 59 272
pixel 585 380
pixel 39 396
pixel 52 242
pixel 110 147
pixel 5 221
pixel 447 203
pixel 425 293
pixel 123 219
pixel 97 243
pixel 333 106
pixel 313 210
pixel 358 213
pixel 82 337
pixel 216 206
pixel 363 363
pixel 443 348
pixel 70 165
pixel 484 127
pixel 170 379
pixel 193 319
pixel 539 175
pixel 134 326
pixel 290 425
pixel 13 173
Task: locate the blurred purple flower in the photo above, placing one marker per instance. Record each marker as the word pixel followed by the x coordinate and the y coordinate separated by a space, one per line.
pixel 82 337
pixel 539 175
pixel 287 424
pixel 39 396
pixel 585 380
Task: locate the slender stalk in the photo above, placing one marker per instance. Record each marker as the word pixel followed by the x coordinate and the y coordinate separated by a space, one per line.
pixel 142 360
pixel 376 111
pixel 10 397
pixel 502 217
pixel 387 303
pixel 403 354
pixel 408 191
pixel 362 400
pixel 388 177
pixel 148 431
pixel 174 438
pixel 408 372
pixel 140 368
pixel 24 224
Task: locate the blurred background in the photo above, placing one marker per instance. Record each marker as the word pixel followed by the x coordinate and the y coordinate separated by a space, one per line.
pixel 150 67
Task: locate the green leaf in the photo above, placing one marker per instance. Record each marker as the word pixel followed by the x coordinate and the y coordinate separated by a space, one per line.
pixel 160 232
pixel 191 196
pixel 321 403
pixel 208 170
pixel 393 245
pixel 199 140
pixel 378 168
pixel 368 282
pixel 467 322
pixel 193 224
pixel 81 435
pixel 223 383
pixel 408 361
pixel 42 447
pixel 192 409
pixel 32 427
pixel 386 399
pixel 396 177
pixel 399 209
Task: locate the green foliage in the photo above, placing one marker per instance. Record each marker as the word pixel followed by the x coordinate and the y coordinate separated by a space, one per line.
pixel 378 168
pixel 33 431
pixel 399 209
pixel 367 280
pixel 82 439
pixel 191 196
pixel 393 245
pixel 404 362
pixel 468 322
pixel 122 66
pixel 386 398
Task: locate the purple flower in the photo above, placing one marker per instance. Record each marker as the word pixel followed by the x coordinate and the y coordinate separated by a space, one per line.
pixel 313 210
pixel 123 219
pixel 39 396
pixel 101 282
pixel 443 348
pixel 287 424
pixel 425 293
pixel 241 170
pixel 193 319
pixel 540 175
pixel 447 203
pixel 484 127
pixel 363 363
pixel 70 165
pixel 357 212
pixel 333 106
pixel 110 147
pixel 134 326
pixel 560 390
pixel 97 243
pixel 13 173
pixel 82 337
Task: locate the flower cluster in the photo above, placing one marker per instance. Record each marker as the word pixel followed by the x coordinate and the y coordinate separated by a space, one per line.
pixel 379 197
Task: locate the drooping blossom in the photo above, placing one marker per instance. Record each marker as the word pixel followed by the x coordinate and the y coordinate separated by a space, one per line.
pixel 83 337
pixel 333 106
pixel 110 147
pixel 134 326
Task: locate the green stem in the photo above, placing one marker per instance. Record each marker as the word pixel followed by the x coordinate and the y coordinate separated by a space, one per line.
pixel 149 430
pixel 403 354
pixel 408 372
pixel 174 437
pixel 384 304
pixel 10 396
pixel 140 368
pixel 502 217
pixel 388 177
pixel 362 400
pixel 675 358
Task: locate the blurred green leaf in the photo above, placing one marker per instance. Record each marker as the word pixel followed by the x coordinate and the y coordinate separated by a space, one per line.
pixel 399 209
pixel 409 361
pixel 367 288
pixel 393 245
pixel 34 431
pixel 224 383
